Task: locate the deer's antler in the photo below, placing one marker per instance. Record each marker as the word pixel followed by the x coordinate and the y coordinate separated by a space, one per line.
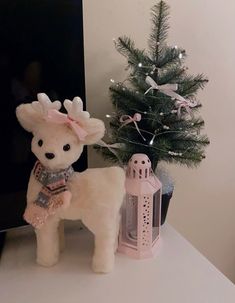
pixel 44 104
pixel 75 109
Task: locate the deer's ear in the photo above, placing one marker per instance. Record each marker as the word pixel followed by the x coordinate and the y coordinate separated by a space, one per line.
pixel 28 117
pixel 95 129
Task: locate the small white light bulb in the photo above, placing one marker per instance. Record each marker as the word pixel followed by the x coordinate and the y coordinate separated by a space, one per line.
pixel 152 140
pixel 111 80
pixel 166 127
pixel 140 64
pixel 180 55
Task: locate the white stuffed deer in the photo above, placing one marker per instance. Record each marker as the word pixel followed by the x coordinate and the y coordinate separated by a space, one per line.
pixel 56 192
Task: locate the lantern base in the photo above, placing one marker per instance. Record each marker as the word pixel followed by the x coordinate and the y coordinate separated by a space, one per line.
pixel 137 254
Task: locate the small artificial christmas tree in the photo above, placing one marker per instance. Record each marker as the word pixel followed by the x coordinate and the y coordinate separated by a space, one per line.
pixel 156 105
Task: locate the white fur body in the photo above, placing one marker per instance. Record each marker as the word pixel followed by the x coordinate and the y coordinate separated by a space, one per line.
pixel 97 195
pixel 94 191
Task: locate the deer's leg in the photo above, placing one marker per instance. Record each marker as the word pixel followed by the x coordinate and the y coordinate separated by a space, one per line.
pixel 103 259
pixel 48 243
pixel 106 241
pixel 104 226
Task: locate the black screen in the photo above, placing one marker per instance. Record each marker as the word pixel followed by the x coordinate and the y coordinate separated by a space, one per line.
pixel 41 50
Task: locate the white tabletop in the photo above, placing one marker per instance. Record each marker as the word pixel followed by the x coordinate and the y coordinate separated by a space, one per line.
pixel 179 273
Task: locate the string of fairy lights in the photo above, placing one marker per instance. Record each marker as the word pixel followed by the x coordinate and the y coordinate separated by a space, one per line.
pixel 160 131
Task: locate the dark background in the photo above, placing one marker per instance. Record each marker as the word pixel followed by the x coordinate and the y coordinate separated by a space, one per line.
pixel 41 50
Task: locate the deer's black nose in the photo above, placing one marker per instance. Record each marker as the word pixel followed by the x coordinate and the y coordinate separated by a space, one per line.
pixel 49 156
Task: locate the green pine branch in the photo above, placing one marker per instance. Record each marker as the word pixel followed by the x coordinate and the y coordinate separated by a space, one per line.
pixel 124 98
pixel 174 74
pixel 126 47
pixel 171 57
pixel 190 85
pixel 158 36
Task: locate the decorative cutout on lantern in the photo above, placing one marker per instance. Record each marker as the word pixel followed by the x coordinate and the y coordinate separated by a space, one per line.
pixel 141 210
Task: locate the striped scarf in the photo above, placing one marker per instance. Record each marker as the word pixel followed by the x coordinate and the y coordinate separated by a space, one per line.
pixel 53 195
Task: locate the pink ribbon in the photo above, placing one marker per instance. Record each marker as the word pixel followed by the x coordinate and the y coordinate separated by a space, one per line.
pixel 185 104
pixel 126 119
pixel 57 117
pixel 169 90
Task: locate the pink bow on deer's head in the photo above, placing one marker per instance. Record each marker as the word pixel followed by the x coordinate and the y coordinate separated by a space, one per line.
pixel 57 117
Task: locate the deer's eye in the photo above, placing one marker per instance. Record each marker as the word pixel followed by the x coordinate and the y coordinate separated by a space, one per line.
pixel 40 142
pixel 66 147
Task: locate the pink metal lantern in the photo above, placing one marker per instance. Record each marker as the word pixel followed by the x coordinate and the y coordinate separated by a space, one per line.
pixel 141 211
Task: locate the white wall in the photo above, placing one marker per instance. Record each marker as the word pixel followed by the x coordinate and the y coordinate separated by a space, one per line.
pixel 203 207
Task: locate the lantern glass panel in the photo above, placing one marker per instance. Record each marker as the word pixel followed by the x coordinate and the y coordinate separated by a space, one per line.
pixel 129 220
pixel 156 214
